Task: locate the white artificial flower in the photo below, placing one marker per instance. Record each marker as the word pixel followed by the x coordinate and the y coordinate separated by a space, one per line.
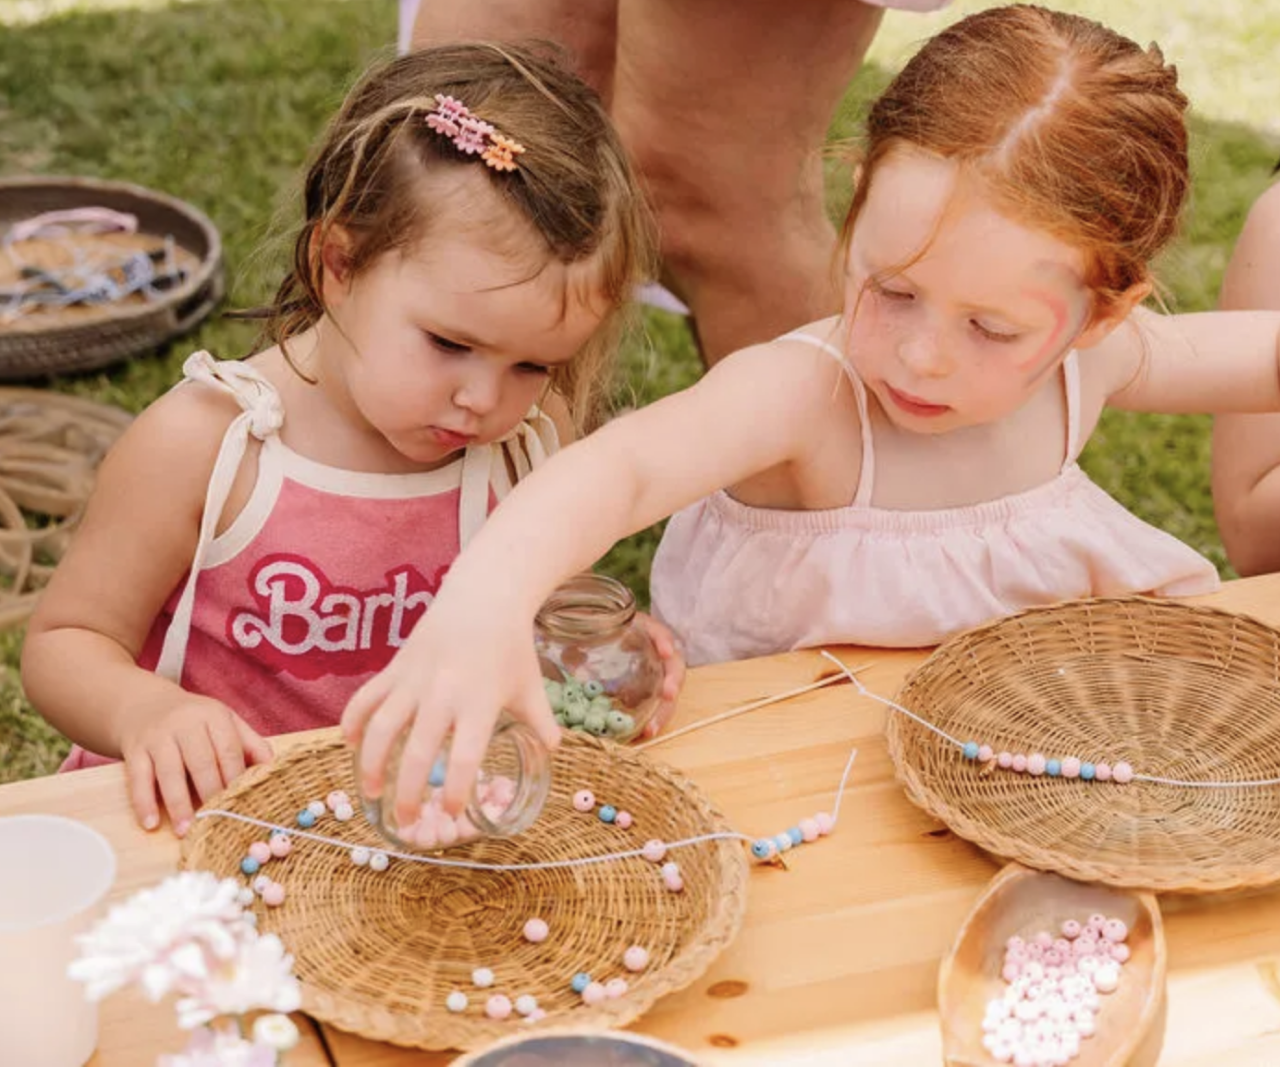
pixel 259 976
pixel 276 1031
pixel 221 1048
pixel 163 937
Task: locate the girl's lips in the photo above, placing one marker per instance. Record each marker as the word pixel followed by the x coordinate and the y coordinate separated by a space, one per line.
pixel 914 405
pixel 450 439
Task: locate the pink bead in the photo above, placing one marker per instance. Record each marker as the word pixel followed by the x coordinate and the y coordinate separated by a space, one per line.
pixel 273 895
pixel 809 829
pixel 1044 939
pixel 674 883
pixel 1096 922
pixel 1102 772
pixel 654 850
pixel 1070 767
pixel 623 820
pixel 1071 929
pixel 1120 953
pixel 1019 762
pixel 1011 972
pixel 336 799
pixel 584 800
pixel 825 823
pixel 280 846
pixel 1036 764
pixel 447 832
pixel 498 1007
pixel 594 994
pixel 1114 930
pixel 1005 760
pixel 636 958
pixel 1054 958
pixel 502 790
pixel 536 930
pixel 259 884
pixel 1122 773
pixel 260 851
pixel 985 753
pixel 1062 946
pixel 535 1016
pixel 1014 943
pixel 615 988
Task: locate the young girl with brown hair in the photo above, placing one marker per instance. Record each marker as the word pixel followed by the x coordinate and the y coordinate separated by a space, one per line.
pixel 906 469
pixel 264 537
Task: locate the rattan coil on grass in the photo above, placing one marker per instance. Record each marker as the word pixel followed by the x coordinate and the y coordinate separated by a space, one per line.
pixel 1179 691
pixel 50 447
pixel 85 337
pixel 378 952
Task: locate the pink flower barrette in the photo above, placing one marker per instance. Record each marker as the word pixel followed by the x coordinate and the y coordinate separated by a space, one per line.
pixel 470 134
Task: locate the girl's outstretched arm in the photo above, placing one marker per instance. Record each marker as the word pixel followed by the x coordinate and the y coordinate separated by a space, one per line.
pixel 1246 448
pixel 472 653
pixel 79 660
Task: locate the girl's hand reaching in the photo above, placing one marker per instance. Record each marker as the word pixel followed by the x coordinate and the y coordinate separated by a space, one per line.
pixel 195 744
pixel 673 671
pixel 459 668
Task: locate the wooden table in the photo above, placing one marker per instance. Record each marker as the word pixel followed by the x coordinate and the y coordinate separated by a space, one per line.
pixel 837 959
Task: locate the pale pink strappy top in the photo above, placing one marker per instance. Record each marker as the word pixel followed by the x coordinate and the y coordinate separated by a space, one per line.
pixel 736 581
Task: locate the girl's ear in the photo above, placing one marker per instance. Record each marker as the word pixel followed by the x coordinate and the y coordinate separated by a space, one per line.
pixel 1118 309
pixel 335 255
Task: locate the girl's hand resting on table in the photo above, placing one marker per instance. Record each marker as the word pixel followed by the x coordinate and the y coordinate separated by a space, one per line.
pixel 459 667
pixel 195 744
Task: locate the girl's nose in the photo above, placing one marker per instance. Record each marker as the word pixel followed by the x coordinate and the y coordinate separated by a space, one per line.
pixel 921 354
pixel 478 393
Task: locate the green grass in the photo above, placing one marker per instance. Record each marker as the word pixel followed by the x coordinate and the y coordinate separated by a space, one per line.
pixel 217 102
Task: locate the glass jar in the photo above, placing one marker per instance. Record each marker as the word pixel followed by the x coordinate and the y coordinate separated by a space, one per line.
pixel 600 668
pixel 510 791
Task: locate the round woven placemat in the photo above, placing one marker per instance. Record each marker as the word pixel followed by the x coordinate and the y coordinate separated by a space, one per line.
pixel 378 952
pixel 1177 690
pixel 50 447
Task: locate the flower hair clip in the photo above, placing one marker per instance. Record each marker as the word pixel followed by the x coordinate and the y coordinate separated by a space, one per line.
pixel 472 135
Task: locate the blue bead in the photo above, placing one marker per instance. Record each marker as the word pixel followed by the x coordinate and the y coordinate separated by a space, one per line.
pixel 580 981
pixel 797 838
pixel 971 749
pixel 437 774
pixel 783 841
pixel 1087 771
pixel 1053 767
pixel 249 865
pixel 761 848
pixel 607 813
pixel 305 819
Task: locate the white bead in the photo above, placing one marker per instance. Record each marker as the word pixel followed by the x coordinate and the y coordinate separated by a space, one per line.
pixel 317 808
pixel 482 977
pixel 360 856
pixel 379 861
pixel 343 812
pixel 456 1001
pixel 1107 977
pixel 244 897
pixel 526 1004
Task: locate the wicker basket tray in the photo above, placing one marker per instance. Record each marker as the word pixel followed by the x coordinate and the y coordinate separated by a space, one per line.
pixel 1178 691
pixel 80 338
pixel 378 953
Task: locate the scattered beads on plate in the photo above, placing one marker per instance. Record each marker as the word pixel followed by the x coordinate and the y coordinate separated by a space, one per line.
pixel 456 1001
pixel 636 958
pixel 536 930
pixel 482 978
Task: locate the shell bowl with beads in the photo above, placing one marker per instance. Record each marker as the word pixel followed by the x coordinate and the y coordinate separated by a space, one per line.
pixel 1020 904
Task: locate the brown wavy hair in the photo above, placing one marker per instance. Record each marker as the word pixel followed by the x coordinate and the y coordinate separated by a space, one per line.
pixel 573 184
pixel 1072 128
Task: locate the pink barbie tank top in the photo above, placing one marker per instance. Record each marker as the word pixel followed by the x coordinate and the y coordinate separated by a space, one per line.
pixel 736 581
pixel 319 580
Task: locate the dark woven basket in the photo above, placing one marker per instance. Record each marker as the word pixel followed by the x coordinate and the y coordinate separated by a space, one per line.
pixel 81 339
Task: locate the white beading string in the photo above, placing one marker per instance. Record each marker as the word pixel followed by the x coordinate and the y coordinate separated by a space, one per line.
pixel 1154 779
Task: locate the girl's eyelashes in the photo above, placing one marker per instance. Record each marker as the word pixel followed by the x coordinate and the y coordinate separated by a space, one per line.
pixel 994 335
pixel 444 344
pixel 532 368
pixel 891 294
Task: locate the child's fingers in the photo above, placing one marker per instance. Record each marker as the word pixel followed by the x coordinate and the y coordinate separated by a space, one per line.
pixel 421 747
pixel 201 761
pixel 171 778
pixel 379 735
pixel 256 747
pixel 471 736
pixel 142 789
pixel 363 703
pixel 227 749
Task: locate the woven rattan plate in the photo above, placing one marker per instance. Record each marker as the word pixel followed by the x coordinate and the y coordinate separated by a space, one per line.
pixel 378 953
pixel 1177 690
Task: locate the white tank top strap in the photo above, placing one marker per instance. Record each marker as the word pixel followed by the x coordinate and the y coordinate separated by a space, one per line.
pixel 1071 379
pixel 867 473
pixel 261 415
pixel 500 465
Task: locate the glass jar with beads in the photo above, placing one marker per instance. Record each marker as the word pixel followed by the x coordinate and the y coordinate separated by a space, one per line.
pixel 509 793
pixel 600 668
